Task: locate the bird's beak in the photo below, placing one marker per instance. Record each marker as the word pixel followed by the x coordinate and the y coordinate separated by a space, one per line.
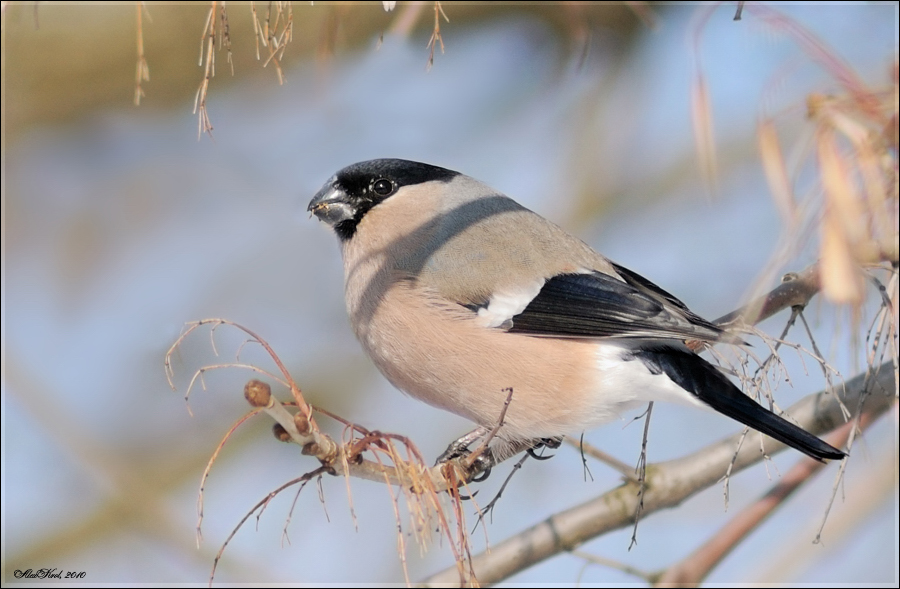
pixel 332 205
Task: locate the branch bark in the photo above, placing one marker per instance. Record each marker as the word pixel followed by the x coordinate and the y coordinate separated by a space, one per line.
pixel 691 571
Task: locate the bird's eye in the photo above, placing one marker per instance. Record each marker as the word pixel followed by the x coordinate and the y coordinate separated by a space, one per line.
pixel 383 187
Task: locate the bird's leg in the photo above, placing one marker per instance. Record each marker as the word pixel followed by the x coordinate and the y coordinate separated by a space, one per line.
pixel 460 446
pixel 492 456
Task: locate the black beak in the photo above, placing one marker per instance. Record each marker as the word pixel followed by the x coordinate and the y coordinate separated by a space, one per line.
pixel 332 205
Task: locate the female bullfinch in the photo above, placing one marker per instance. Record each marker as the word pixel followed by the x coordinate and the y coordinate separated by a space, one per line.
pixel 460 295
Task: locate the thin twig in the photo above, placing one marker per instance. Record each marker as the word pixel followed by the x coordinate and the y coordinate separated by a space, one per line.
pixel 471 458
pixel 590 450
pixel 641 470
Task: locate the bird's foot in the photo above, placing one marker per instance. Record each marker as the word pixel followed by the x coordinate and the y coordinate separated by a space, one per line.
pixel 478 467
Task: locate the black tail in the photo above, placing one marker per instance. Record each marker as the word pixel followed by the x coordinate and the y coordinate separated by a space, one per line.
pixel 702 379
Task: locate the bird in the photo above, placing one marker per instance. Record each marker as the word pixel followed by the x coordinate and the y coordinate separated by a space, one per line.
pixel 472 303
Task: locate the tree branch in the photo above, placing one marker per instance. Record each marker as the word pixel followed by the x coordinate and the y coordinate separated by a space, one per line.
pixel 696 566
pixel 796 289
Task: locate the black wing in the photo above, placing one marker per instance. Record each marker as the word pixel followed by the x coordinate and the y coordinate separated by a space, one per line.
pixel 600 305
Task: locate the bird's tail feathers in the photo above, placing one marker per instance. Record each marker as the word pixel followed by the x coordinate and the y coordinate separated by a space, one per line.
pixel 704 381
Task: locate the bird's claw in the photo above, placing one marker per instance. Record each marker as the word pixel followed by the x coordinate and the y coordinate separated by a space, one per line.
pixel 478 468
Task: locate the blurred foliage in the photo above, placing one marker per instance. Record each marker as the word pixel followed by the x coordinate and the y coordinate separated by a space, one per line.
pixel 62 60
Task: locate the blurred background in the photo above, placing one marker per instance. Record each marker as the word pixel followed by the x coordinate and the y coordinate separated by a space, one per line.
pixel 119 226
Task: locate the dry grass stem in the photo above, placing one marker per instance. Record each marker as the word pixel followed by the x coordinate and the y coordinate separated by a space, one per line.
pixel 142 73
pixel 436 33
